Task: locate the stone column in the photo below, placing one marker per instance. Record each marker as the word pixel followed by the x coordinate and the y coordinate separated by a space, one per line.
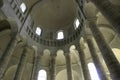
pixel 36 66
pixel 68 66
pixel 52 67
pixel 7 55
pixel 21 65
pixel 108 55
pixel 110 11
pixel 85 70
pixel 96 59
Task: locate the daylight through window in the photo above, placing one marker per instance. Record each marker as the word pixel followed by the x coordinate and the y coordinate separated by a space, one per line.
pixel 42 75
pixel 23 7
pixel 60 35
pixel 38 31
pixel 93 71
pixel 77 23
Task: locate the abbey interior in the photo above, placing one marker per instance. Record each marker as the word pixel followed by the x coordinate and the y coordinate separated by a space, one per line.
pixel 59 39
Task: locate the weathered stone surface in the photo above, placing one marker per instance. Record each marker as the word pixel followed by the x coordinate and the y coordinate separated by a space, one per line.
pixel 83 62
pixel 110 11
pixel 109 57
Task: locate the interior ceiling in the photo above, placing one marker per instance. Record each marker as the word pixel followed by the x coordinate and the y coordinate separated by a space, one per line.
pixel 57 14
pixel 54 14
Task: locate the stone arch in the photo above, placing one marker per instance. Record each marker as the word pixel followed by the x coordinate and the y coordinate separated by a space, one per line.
pixel 72 48
pixel 108 33
pixel 101 19
pixel 9 75
pixel 74 55
pixel 62 75
pixel 45 58
pixel 35 50
pixel 90 13
pixel 60 59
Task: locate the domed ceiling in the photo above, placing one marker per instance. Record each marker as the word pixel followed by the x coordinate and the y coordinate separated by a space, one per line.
pixel 54 14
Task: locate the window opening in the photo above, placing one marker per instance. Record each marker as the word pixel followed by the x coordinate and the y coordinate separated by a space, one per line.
pixel 76 23
pixel 42 75
pixel 38 31
pixel 23 7
pixel 93 71
pixel 60 35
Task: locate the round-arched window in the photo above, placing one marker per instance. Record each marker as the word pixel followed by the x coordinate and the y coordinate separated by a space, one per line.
pixel 42 75
pixel 38 31
pixel 60 35
pixel 76 23
pixel 23 7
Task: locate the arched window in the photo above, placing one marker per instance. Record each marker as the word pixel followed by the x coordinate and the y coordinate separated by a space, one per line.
pixel 42 75
pixel 23 7
pixel 60 35
pixel 93 71
pixel 76 23
pixel 38 31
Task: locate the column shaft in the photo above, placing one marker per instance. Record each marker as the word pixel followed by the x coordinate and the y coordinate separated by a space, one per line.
pixel 36 67
pixel 85 70
pixel 109 57
pixel 52 68
pixel 110 11
pixel 96 59
pixel 7 55
pixel 68 66
pixel 21 65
